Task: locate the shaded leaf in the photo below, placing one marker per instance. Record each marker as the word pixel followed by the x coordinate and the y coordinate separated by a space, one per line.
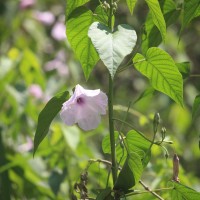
pixel 160 69
pixel 46 116
pixel 151 36
pixel 149 91
pixel 184 69
pixel 77 34
pixel 130 173
pixel 112 47
pixel 71 5
pixel 105 194
pixel 182 192
pixel 157 16
pixel 196 107
pixel 131 5
pixel 191 11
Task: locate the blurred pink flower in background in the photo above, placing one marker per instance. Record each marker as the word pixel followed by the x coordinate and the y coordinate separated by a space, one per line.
pixel 85 108
pixel 58 31
pixel 35 91
pixel 26 146
pixel 26 3
pixel 59 64
pixel 46 17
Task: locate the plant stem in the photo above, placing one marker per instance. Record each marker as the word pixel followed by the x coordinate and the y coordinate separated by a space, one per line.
pixel 110 108
pixel 111 128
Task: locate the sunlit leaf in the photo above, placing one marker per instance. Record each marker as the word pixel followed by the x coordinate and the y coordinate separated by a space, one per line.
pixel 77 34
pixel 151 36
pixel 196 107
pixel 71 5
pixel 191 11
pixel 182 192
pixel 160 69
pixel 47 115
pixel 184 69
pixel 157 16
pixel 138 144
pixel 131 5
pixel 130 173
pixel 112 47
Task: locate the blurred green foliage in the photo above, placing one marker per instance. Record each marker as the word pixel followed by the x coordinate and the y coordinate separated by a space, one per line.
pixel 36 63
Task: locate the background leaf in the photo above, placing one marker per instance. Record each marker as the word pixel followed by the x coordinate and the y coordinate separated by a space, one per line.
pixel 47 115
pixel 151 36
pixel 112 47
pixel 183 192
pixel 77 34
pixel 73 4
pixel 196 107
pixel 157 16
pixel 184 69
pixel 191 10
pixel 160 69
pixel 131 5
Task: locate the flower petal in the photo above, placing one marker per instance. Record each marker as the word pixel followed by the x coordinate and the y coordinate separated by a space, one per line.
pixel 68 115
pixel 88 118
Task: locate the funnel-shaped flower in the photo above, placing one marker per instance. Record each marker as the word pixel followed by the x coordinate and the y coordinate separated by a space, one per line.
pixel 85 108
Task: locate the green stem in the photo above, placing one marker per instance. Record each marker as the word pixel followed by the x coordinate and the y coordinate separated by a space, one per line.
pixel 110 108
pixel 111 128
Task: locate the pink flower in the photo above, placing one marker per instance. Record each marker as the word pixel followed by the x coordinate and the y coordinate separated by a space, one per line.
pixel 58 31
pixel 36 91
pixel 26 3
pixel 85 108
pixel 46 18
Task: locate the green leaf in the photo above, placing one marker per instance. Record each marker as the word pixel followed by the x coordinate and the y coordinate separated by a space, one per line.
pixel 130 173
pixel 196 107
pixel 77 34
pixel 105 195
pixel 148 92
pixel 182 192
pixel 138 144
pixel 46 116
pixel 184 69
pixel 131 5
pixel 191 11
pixel 112 47
pixel 160 69
pixel 157 16
pixel 71 5
pixel 151 36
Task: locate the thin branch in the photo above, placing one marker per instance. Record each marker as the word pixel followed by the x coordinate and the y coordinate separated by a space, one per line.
pixel 148 189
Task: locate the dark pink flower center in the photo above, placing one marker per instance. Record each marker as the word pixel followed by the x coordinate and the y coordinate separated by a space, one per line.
pixel 80 101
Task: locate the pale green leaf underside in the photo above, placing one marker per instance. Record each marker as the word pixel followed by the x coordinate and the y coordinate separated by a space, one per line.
pixel 73 4
pixel 182 192
pixel 191 10
pixel 112 47
pixel 157 16
pixel 160 69
pixel 77 34
pixel 131 5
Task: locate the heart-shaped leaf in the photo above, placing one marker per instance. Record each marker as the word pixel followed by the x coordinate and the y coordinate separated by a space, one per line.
pixel 112 47
pixel 162 72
